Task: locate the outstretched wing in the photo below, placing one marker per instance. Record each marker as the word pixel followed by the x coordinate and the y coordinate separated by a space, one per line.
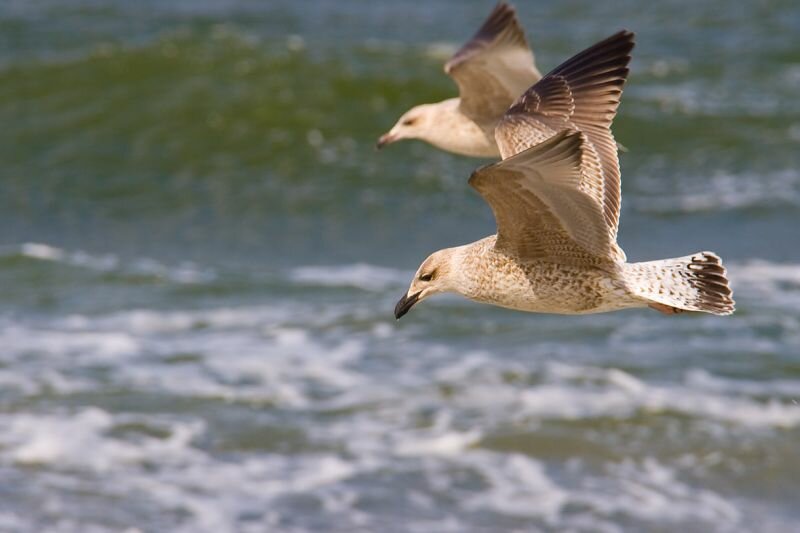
pixel 547 201
pixel 583 94
pixel 494 67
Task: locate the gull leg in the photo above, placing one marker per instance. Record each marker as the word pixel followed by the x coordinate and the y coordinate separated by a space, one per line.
pixel 666 309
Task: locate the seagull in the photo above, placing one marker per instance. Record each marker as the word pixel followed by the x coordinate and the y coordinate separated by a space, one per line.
pixel 491 70
pixel 555 196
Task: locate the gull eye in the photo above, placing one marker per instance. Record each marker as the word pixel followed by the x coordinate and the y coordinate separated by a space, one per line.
pixel 426 277
pixel 409 122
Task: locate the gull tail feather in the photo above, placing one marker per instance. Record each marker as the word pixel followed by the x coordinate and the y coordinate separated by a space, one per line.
pixel 695 282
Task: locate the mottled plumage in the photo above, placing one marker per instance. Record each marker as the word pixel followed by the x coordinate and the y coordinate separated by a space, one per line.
pixel 583 93
pixel 556 252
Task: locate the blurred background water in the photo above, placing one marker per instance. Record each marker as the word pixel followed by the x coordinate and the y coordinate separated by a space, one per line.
pixel 200 252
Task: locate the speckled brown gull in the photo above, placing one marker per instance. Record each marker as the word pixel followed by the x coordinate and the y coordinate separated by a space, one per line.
pixel 555 250
pixel 491 70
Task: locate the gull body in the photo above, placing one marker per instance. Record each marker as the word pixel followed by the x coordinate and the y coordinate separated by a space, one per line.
pixel 491 70
pixel 481 273
pixel 556 199
pixel 428 122
pixel 485 275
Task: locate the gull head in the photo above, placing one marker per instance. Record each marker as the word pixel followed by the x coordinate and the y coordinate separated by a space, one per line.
pixel 437 274
pixel 414 124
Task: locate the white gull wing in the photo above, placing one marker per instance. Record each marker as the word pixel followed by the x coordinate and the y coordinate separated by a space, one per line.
pixel 494 67
pixel 548 203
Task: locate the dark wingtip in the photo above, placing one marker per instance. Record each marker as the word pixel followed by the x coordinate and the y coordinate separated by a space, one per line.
pixel 601 67
pixel 502 16
pixel 501 24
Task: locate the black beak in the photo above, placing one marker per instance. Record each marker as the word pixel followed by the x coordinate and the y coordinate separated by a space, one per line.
pixel 384 139
pixel 405 304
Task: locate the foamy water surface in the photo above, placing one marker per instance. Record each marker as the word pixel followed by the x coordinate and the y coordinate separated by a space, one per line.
pixel 298 413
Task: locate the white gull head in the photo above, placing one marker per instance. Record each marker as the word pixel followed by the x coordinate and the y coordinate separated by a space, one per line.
pixel 419 122
pixel 441 272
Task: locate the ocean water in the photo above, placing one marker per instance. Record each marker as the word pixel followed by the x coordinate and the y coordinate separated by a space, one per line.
pixel 200 252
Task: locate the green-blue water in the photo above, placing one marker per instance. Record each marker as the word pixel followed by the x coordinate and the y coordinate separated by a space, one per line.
pixel 200 251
